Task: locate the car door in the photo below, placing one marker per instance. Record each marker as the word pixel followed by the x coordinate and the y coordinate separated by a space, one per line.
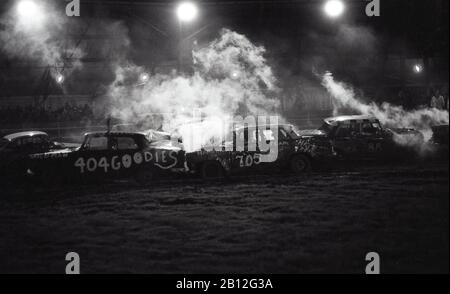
pixel 244 148
pixel 125 155
pixel 93 158
pixel 372 139
pixel 345 140
pixel 255 142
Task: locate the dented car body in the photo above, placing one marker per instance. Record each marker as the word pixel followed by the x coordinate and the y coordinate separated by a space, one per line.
pixel 361 137
pixel 16 147
pixel 260 148
pixel 343 138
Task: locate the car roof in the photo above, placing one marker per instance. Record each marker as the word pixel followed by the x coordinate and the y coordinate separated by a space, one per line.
pixel 156 132
pixel 338 119
pixel 263 126
pixel 14 136
pixel 114 133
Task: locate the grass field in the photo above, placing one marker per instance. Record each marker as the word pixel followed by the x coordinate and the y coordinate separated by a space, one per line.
pixel 320 223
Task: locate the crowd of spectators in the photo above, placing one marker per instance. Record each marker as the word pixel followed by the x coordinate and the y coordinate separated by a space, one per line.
pixel 411 98
pixel 299 103
pixel 26 114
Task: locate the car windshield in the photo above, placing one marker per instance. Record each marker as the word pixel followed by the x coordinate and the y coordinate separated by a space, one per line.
pixel 157 136
pixel 326 128
pixel 292 131
pixel 3 143
pixel 96 143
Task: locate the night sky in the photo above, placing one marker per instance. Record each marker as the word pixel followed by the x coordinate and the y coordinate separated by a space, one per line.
pixel 297 35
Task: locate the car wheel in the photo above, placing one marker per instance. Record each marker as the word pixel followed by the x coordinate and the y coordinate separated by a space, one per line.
pixel 300 164
pixel 144 176
pixel 212 170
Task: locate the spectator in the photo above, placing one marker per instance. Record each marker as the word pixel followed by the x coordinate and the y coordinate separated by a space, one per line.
pixel 437 101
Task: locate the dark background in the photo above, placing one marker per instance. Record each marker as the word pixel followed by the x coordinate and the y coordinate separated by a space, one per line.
pixel 376 54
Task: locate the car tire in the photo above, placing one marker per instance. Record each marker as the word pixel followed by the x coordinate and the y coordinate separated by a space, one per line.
pixel 144 176
pixel 300 164
pixel 211 170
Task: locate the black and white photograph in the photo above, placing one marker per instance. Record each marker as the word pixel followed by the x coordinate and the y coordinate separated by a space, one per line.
pixel 229 143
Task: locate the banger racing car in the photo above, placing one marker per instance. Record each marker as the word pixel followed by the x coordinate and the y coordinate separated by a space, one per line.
pixel 14 148
pixel 249 144
pixel 343 138
pixel 361 137
pixel 108 155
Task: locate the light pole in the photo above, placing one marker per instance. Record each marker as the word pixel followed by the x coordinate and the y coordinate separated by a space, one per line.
pixel 186 12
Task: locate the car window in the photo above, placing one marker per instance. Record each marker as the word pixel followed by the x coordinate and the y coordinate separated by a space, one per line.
pixel 17 142
pixel 343 131
pixel 291 132
pixel 96 143
pixel 326 128
pixel 157 136
pixel 39 140
pixel 124 143
pixel 26 141
pixel 370 128
pixel 282 135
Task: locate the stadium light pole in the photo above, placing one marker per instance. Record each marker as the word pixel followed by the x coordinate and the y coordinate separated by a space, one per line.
pixel 186 12
pixel 334 8
pixel 30 14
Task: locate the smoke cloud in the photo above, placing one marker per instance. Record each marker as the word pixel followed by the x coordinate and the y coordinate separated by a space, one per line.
pixel 231 77
pixel 35 32
pixel 392 116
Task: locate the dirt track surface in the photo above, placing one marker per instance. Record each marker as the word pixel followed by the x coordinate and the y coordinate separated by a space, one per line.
pixel 321 223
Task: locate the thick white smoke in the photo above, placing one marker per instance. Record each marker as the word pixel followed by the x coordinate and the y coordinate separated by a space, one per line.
pixel 392 116
pixel 231 77
pixel 35 31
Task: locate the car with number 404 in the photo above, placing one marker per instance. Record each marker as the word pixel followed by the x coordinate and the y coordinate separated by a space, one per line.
pixel 108 155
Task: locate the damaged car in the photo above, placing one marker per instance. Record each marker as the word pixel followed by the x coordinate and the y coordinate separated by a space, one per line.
pixel 14 149
pixel 362 138
pixel 107 155
pixel 257 148
pixel 340 139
